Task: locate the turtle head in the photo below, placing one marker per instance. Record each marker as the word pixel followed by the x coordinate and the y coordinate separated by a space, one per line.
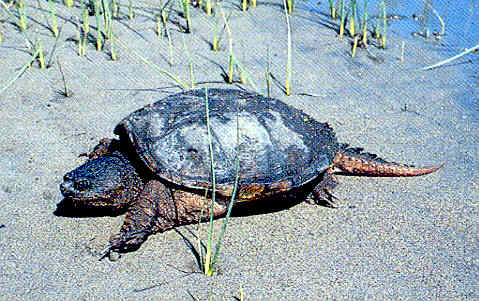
pixel 109 181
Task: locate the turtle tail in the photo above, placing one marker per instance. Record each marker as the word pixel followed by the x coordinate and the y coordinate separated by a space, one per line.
pixel 352 161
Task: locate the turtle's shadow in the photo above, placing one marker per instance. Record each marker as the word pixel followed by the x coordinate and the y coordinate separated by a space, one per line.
pixel 267 205
pixel 65 208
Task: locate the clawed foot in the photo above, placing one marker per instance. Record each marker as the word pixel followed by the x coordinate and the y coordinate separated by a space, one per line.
pixel 323 197
pixel 322 194
pixel 124 242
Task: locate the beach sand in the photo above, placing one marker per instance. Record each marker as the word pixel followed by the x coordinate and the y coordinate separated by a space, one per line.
pixel 389 238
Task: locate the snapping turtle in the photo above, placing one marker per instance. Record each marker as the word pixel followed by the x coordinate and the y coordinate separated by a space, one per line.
pixel 159 169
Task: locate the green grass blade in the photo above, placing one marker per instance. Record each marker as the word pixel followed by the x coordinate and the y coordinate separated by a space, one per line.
pixel 190 63
pixel 208 262
pixel 446 61
pixel 162 71
pixel 289 50
pixel 25 67
pixel 53 18
pixel 233 196
pixel 245 73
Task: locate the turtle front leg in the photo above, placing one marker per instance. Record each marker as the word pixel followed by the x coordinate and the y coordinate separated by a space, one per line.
pixel 158 209
pixel 322 192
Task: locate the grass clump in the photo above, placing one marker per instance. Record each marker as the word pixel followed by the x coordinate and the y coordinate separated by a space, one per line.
pixel 162 29
pixel 185 4
pixel 232 59
pixel 99 38
pixel 353 18
pixel 355 46
pixel 85 18
pixel 22 23
pixel 68 3
pixel 112 43
pixel 161 21
pixel 190 63
pixel 287 84
pixel 208 7
pixel 385 24
pixel 230 47
pixel 365 23
pixel 244 5
pixel 81 36
pixel 290 6
pixel 39 50
pixel 53 18
pixel 215 42
pixel 66 91
pixel 342 14
pixel 105 8
pixel 332 9
pixel 131 14
pixel 115 9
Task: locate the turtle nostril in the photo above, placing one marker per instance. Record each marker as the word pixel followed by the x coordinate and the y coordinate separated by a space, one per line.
pixel 64 189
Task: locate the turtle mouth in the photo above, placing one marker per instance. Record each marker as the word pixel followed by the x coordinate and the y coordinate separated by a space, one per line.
pixel 87 199
pixel 88 202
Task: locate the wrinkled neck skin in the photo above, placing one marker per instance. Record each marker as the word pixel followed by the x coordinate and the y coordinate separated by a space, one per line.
pixel 108 182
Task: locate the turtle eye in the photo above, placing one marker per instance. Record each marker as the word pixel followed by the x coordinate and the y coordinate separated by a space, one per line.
pixel 81 184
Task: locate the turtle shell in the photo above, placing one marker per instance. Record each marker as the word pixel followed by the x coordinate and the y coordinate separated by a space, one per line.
pixel 279 147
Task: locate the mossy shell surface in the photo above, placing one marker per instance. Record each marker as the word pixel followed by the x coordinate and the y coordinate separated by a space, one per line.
pixel 279 147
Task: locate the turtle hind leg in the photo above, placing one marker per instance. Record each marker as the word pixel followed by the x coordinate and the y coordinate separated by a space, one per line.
pixel 158 209
pixel 322 192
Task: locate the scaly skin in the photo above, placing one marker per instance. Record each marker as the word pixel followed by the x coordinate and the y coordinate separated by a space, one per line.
pixel 359 166
pixel 354 163
pixel 160 208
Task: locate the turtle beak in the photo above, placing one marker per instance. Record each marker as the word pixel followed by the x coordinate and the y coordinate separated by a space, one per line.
pixel 66 188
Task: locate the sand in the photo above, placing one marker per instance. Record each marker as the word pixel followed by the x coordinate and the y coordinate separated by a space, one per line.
pixel 389 239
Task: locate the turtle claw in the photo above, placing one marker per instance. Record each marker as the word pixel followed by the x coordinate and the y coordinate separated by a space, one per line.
pixel 110 253
pixel 331 200
pixel 322 191
pixel 118 244
pixel 126 242
pixel 324 198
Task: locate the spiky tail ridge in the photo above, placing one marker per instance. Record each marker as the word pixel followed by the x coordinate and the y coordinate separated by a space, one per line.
pixel 365 164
